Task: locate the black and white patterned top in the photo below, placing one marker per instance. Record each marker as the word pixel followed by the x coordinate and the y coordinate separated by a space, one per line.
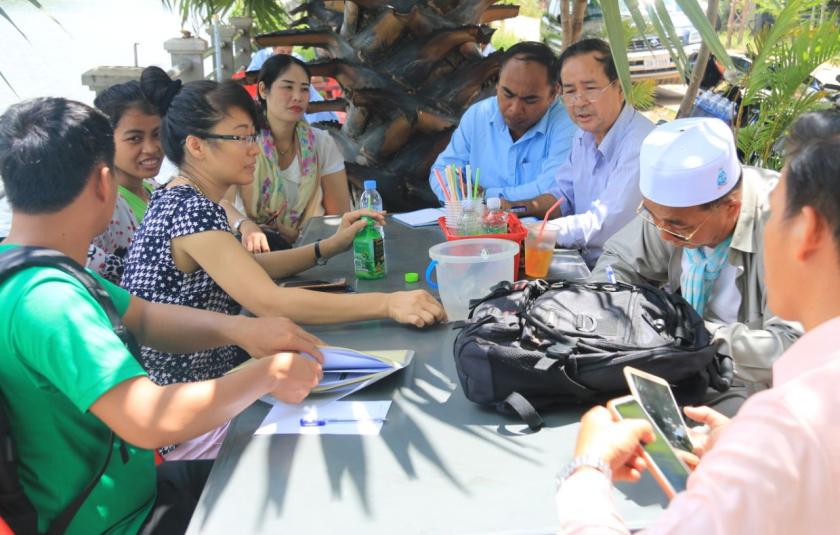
pixel 150 273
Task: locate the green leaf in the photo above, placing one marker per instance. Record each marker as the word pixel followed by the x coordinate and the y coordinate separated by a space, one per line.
pixel 664 37
pixel 618 47
pixel 15 26
pixel 701 23
pixel 639 20
pixel 675 44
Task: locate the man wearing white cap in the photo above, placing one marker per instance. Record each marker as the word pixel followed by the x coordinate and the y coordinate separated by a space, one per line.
pixel 699 230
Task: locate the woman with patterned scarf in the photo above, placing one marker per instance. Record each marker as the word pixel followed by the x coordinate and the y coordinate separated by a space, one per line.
pixel 300 171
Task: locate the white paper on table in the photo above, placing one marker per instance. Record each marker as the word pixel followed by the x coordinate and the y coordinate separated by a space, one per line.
pixel 284 419
pixel 420 218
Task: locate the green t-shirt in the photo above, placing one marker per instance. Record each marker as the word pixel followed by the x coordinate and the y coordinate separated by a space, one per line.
pixel 138 206
pixel 58 355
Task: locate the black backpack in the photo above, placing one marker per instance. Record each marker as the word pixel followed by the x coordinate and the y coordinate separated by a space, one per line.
pixel 530 344
pixel 15 507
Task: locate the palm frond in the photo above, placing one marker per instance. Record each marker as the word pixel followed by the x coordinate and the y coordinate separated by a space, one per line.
pixel 674 42
pixel 617 41
pixel 701 23
pixel 643 95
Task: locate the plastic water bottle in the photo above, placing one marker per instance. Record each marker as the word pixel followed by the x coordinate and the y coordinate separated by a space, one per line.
pixel 496 219
pixel 369 252
pixel 370 198
pixel 471 220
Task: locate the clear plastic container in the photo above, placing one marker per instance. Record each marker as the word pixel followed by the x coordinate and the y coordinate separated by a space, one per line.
pixel 467 269
pixel 370 198
pixel 495 219
pixel 471 223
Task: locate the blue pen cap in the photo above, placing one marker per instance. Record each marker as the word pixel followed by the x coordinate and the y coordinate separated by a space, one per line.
pixel 370 184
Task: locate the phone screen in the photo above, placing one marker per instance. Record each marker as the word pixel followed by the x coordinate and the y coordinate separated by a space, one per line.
pixel 297 284
pixel 672 468
pixel 660 405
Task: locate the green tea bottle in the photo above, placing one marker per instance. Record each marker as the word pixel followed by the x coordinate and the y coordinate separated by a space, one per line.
pixel 369 252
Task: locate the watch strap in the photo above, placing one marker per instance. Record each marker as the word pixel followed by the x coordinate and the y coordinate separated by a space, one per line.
pixel 319 258
pixel 592 461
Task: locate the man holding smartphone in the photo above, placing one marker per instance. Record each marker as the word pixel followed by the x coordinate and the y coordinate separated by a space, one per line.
pixel 774 467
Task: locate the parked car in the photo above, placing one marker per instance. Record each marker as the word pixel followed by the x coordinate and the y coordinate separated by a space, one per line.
pixel 649 60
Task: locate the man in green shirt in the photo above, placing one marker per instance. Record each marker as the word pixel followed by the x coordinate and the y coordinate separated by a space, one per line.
pixel 66 379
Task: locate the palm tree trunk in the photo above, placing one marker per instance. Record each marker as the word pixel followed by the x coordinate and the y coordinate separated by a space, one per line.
pixel 578 12
pixel 700 66
pixel 566 23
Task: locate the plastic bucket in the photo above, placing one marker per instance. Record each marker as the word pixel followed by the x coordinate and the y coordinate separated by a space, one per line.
pixel 467 269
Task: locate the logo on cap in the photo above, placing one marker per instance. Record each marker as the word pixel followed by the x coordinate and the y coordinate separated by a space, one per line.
pixel 721 178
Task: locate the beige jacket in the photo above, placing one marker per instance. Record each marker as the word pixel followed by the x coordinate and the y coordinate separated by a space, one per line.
pixel 638 254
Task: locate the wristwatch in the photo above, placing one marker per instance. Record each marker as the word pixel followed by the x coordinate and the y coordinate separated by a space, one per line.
pixel 238 223
pixel 319 259
pixel 592 461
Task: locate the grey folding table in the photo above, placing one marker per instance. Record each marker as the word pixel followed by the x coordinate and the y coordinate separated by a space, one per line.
pixel 441 464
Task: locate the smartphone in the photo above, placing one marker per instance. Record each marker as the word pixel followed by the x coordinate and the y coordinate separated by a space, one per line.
pixel 654 395
pixel 663 462
pixel 337 285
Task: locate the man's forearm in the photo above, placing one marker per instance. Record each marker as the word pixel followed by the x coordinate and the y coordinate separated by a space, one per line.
pixel 530 207
pixel 152 416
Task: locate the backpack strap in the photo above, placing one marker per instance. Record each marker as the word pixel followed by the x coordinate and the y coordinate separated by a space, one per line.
pixel 523 408
pixel 24 257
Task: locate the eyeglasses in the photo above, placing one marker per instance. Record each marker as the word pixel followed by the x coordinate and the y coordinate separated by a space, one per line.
pixel 244 140
pixel 646 216
pixel 589 95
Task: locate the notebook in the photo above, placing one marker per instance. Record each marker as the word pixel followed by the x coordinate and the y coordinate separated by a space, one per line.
pixel 420 218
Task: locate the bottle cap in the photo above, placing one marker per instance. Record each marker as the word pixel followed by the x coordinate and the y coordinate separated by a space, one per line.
pixel 370 184
pixel 411 277
pixel 494 203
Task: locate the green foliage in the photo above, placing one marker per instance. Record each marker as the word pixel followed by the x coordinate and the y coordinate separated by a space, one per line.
pixel 785 55
pixel 504 40
pixel 268 15
pixel 643 95
pixel 527 8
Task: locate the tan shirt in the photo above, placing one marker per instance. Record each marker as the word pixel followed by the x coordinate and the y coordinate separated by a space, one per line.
pixel 638 254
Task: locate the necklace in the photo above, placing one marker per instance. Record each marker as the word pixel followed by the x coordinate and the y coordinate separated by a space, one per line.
pixel 194 184
pixel 291 145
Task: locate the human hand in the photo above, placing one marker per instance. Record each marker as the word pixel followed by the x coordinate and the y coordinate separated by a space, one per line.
pixel 348 219
pixel 262 337
pixel 253 238
pixel 351 224
pixel 617 442
pixel 416 307
pixel 703 441
pixel 294 376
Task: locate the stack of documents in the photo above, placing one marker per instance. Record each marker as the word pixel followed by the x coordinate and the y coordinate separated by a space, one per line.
pixel 420 218
pixel 347 369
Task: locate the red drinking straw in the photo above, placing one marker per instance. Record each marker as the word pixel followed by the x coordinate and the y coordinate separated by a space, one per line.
pixel 545 219
pixel 442 187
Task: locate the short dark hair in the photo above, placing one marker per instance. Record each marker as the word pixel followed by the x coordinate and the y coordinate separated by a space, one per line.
pixel 812 147
pixel 274 67
pixel 193 109
pixel 588 46
pixel 534 51
pixel 119 98
pixel 48 149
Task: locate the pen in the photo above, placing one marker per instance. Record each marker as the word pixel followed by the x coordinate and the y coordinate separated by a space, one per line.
pixel 610 274
pixel 315 422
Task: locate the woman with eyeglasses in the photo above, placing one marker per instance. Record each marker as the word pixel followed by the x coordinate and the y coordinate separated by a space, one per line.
pixel 299 170
pixel 137 161
pixel 185 252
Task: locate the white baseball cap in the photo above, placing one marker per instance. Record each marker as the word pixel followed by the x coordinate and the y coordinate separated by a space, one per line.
pixel 688 162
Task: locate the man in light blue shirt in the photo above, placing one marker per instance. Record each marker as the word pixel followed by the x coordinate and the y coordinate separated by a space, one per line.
pixel 599 182
pixel 518 138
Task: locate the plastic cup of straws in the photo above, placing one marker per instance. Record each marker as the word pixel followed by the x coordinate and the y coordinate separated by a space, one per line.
pixel 452 211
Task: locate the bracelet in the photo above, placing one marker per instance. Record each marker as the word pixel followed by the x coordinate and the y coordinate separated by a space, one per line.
pixel 592 461
pixel 238 222
pixel 319 259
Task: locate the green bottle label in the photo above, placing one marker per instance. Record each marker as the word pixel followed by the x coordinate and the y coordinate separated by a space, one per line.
pixel 369 254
